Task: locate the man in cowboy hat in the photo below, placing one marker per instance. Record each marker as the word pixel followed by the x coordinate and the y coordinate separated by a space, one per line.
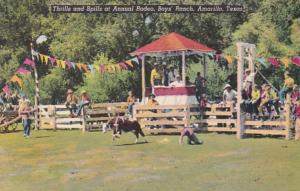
pixel 24 112
pixel 85 100
pixel 71 102
pixel 229 94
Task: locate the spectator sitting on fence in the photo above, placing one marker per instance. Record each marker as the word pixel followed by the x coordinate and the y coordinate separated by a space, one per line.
pixel 255 101
pixel 274 102
pixel 229 96
pixel 71 102
pixel 191 137
pixel 178 82
pixel 265 100
pixel 152 102
pixel 295 95
pixel 84 101
pixel 130 102
pixel 24 112
pixel 287 87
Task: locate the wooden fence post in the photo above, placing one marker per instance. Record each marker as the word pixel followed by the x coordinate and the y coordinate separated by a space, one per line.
pixel 83 119
pixel 287 116
pixel 187 116
pixel 240 69
pixel 54 116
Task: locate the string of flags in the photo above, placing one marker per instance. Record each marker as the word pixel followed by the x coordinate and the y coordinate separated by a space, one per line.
pixel 273 61
pixel 65 64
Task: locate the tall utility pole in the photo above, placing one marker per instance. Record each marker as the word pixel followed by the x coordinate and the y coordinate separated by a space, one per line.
pixel 37 90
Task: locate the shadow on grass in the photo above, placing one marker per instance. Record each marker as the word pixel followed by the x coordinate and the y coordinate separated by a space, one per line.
pixel 40 137
pixel 129 144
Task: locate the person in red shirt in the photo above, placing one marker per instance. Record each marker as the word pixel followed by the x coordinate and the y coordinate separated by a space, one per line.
pixel 192 138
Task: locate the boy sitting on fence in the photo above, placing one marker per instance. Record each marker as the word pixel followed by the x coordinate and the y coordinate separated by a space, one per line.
pixel 71 102
pixel 85 100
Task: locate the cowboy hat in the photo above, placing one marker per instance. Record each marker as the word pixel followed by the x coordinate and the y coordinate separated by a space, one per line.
pixel 151 95
pixel 70 91
pixel 248 70
pixel 227 86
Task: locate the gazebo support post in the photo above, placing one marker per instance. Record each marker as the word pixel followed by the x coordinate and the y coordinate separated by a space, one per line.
pixel 143 80
pixel 183 68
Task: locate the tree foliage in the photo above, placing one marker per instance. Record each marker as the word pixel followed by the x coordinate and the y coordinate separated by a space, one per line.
pixel 91 38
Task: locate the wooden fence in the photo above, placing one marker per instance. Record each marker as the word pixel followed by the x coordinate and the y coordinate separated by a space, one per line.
pixel 166 118
pixel 58 117
pixel 161 118
pixel 101 113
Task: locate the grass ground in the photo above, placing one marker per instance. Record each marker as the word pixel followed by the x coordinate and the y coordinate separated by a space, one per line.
pixel 72 160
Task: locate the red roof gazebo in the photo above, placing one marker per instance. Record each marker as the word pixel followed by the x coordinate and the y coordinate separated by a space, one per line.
pixel 172 44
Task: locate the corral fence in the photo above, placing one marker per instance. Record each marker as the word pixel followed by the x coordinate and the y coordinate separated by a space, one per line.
pixel 167 118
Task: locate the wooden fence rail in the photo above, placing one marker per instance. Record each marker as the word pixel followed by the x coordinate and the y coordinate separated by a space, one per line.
pixel 165 118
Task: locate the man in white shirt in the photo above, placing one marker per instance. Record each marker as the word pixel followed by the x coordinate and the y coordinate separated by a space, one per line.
pixel 178 82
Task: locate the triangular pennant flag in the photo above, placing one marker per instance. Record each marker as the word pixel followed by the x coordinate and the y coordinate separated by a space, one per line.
pixel 44 58
pixel 6 89
pixel 52 60
pixel 23 71
pixel 217 57
pixel 15 78
pixel 102 68
pixel 78 66
pixel 28 61
pixel 262 61
pixel 285 62
pixel 84 68
pixel 68 64
pixel 118 67
pixel 274 62
pixel 141 56
pixel 63 64
pixel 229 59
pixel 211 55
pixel 129 62
pixel 295 60
pixel 123 65
pixel 91 67
pixel 136 60
pixel 73 65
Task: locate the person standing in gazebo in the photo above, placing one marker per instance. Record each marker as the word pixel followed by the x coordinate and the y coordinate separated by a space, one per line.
pixel 156 76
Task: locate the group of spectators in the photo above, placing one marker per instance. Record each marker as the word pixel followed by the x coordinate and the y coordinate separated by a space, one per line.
pixel 167 76
pixel 264 101
pixel 74 105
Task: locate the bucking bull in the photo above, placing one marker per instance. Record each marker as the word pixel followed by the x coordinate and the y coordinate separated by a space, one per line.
pixel 119 124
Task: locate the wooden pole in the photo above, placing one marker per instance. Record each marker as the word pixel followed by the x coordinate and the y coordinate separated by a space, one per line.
pixel 287 116
pixel 143 80
pixel 204 67
pixel 240 69
pixel 252 56
pixel 183 68
pixel 37 91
